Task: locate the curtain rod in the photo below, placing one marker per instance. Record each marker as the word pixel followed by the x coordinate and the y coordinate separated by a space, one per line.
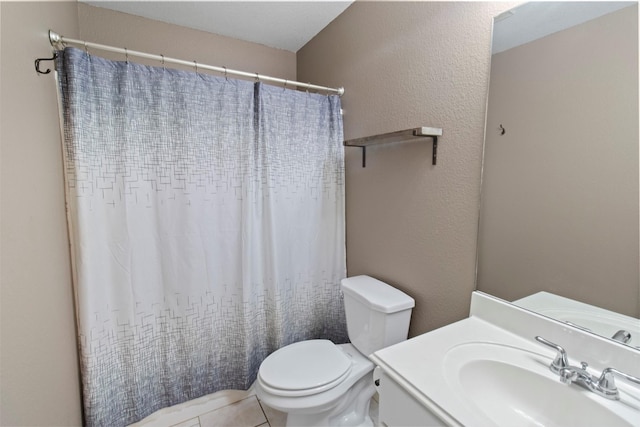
pixel 56 40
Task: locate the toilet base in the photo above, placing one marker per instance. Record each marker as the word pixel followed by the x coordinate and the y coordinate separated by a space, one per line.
pixel 352 410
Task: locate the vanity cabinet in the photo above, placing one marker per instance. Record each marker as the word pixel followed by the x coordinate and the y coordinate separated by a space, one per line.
pixel 397 407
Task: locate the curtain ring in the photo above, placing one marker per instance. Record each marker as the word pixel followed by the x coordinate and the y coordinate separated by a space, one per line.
pixel 257 77
pixel 126 55
pixel 308 86
pixel 162 61
pixel 284 87
pixel 196 65
pixel 226 77
pixel 86 49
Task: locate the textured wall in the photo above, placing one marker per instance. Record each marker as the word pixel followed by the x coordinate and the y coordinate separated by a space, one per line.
pixel 560 191
pixel 407 64
pixel 40 381
pixel 133 32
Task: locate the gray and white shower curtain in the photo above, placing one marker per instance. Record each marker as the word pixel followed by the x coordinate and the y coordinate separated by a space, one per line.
pixel 207 229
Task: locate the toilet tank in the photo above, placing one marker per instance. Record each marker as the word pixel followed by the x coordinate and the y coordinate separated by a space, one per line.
pixel 377 314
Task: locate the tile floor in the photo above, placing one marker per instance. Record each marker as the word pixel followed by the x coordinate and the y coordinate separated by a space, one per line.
pixel 228 408
pixel 247 412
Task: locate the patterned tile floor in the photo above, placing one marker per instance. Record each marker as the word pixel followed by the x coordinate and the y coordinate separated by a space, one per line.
pixel 229 408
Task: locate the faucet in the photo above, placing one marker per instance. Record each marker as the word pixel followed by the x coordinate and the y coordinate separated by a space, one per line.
pixel 604 385
pixel 622 336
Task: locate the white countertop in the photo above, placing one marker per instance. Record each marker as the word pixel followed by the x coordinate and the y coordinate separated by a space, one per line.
pixel 418 364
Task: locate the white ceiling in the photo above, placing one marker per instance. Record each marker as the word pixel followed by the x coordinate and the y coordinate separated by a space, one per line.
pixel 534 20
pixel 287 25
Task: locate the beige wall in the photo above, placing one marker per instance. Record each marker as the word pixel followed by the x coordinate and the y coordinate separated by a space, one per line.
pixel 40 382
pixel 133 32
pixel 560 191
pixel 404 65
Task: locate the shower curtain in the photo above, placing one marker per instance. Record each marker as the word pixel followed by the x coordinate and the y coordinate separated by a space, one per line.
pixel 207 229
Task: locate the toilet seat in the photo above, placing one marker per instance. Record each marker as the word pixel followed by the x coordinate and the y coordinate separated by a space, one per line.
pixel 304 368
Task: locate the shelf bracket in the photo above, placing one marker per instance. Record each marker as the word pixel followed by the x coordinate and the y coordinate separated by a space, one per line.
pixel 434 154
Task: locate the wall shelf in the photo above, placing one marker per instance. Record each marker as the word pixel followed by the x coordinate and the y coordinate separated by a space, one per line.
pixel 412 134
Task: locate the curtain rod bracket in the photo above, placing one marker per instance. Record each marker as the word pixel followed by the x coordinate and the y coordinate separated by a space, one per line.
pixel 55 40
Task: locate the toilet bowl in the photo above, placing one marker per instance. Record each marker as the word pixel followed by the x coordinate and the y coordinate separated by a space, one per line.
pixel 319 383
pixel 308 400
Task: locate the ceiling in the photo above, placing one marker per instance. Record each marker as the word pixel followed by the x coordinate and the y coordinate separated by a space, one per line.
pixel 287 25
pixel 534 20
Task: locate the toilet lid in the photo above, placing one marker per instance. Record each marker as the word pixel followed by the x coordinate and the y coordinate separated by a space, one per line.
pixel 305 368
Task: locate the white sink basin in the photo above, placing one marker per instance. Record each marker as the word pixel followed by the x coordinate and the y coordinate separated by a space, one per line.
pixel 514 387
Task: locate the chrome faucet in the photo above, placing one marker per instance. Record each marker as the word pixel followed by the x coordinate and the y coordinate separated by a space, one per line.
pixel 622 336
pixel 604 385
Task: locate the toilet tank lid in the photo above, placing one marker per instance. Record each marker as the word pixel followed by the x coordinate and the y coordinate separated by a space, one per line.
pixel 378 295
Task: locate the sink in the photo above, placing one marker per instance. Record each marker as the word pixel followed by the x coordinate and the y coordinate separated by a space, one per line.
pixel 511 386
pixel 488 370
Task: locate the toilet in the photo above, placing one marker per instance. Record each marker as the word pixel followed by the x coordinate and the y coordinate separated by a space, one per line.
pixel 319 383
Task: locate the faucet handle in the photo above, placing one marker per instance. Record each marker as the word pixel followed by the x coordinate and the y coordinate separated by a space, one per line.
pixel 607 383
pixel 561 361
